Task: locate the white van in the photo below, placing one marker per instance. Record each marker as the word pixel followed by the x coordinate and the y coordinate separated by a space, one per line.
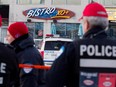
pixel 52 47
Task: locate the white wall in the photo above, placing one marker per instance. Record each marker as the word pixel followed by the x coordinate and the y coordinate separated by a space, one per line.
pixel 16 10
pixel 15 13
pixel 4 1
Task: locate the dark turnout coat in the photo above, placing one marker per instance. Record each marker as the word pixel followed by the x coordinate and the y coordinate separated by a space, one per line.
pixel 89 62
pixel 8 67
pixel 28 54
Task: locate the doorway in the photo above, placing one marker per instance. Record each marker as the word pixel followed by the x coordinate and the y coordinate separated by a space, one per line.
pixel 112 29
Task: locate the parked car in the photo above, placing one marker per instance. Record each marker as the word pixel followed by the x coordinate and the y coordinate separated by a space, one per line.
pixel 52 47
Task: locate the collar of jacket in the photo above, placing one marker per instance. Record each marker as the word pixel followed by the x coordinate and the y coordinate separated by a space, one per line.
pixel 96 32
pixel 23 42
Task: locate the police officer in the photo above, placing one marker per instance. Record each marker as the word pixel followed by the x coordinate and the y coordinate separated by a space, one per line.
pixel 18 36
pixel 90 61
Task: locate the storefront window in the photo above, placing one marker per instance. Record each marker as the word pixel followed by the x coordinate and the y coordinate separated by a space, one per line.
pixel 68 30
pixel 3 33
pixel 35 29
pixel 39 30
pixel 3 30
pixel 4 21
pixel 68 2
pixel 57 2
pixel 23 1
pixel 112 30
pixel 38 1
pixel 105 2
pixel 30 1
pixel 73 2
pixel 109 2
pixel 4 1
pixel 93 1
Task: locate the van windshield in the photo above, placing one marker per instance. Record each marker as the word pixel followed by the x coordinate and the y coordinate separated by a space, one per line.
pixel 54 45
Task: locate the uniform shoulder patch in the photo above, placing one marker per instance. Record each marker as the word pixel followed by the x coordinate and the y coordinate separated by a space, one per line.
pixel 27 69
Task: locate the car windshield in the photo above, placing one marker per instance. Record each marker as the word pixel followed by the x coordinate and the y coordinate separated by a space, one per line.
pixel 54 45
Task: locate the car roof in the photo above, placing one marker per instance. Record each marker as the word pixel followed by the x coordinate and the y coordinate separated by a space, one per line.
pixel 58 39
pixel 37 39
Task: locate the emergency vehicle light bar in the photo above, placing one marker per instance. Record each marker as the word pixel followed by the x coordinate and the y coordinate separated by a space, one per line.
pixel 52 35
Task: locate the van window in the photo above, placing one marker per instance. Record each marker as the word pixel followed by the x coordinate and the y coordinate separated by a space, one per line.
pixel 54 45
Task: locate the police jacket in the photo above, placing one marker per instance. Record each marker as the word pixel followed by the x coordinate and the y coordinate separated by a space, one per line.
pixel 28 54
pixel 88 62
pixel 8 67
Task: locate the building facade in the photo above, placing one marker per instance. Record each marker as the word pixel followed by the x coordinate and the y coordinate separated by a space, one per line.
pixel 44 16
pixel 51 16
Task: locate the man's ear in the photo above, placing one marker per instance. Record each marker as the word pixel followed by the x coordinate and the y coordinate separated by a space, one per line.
pixel 87 25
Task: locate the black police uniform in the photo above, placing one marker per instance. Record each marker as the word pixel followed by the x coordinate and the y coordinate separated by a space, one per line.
pixel 9 70
pixel 28 54
pixel 89 62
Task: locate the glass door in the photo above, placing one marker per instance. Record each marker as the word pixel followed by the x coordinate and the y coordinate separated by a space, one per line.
pixel 112 30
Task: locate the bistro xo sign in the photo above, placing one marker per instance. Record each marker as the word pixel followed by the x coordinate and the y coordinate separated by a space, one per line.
pixel 48 13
